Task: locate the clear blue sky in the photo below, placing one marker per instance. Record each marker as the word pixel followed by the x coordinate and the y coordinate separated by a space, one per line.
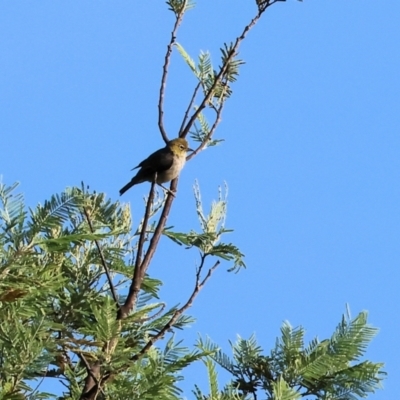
pixel 311 151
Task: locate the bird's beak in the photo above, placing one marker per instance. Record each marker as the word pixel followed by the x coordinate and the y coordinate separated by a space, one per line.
pixel 189 149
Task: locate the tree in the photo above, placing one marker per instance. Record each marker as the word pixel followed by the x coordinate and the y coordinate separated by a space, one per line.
pixel 66 273
pixel 78 304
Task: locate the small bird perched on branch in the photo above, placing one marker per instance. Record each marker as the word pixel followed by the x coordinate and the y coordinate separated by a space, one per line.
pixel 162 166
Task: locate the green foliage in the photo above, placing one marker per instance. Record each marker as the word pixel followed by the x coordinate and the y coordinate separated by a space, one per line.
pixel 207 76
pixel 215 86
pixel 227 393
pixel 201 132
pixel 212 229
pixel 155 376
pixel 179 7
pixel 56 307
pixel 328 369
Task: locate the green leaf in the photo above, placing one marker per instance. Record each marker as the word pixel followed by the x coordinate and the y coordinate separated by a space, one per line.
pixel 62 243
pixel 282 391
pixel 179 7
pixel 189 61
pixel 204 66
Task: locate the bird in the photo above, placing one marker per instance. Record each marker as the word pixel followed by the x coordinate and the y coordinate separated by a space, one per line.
pixel 162 166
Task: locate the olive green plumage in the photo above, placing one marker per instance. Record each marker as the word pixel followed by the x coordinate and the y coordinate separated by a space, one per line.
pixel 162 166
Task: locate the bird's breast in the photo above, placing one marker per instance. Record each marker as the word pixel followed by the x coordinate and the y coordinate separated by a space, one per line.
pixel 172 172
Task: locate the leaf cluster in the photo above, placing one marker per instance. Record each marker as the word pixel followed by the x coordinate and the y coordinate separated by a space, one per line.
pixel 57 306
pixel 208 240
pixel 327 369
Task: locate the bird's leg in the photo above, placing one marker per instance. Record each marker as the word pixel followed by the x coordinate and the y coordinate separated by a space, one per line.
pixel 166 189
pixel 159 184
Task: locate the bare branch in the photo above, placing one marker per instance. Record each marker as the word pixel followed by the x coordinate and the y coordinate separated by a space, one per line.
pixel 162 305
pixel 196 89
pixel 144 226
pixel 139 272
pixel 160 226
pixel 210 133
pixel 45 375
pixel 165 74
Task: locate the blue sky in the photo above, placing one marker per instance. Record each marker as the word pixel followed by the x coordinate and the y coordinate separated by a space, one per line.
pixel 311 151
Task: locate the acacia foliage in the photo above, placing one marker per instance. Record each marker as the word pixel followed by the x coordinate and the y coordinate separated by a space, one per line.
pixel 58 315
pixel 323 369
pixel 66 267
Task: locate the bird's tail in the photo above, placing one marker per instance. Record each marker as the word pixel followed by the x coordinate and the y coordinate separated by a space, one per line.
pixel 127 186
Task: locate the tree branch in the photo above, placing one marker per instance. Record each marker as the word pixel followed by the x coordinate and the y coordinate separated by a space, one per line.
pixel 102 258
pixel 198 286
pixel 210 133
pixel 263 5
pixel 92 385
pixel 139 272
pixel 196 89
pixel 165 75
pixel 221 73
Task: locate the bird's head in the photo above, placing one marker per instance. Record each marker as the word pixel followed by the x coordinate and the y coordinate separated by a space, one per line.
pixel 179 146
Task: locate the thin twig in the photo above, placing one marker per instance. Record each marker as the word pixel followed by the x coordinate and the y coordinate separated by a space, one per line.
pixel 198 270
pixel 218 78
pixel 196 89
pixel 45 375
pixel 164 76
pixel 210 133
pixel 208 276
pixel 102 258
pixel 140 321
pixel 144 226
pixel 198 286
pixel 267 3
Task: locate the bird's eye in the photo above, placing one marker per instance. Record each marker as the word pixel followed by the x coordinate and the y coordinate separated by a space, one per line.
pixel 182 146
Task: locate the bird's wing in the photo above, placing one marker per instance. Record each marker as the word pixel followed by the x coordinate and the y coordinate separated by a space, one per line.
pixel 159 161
